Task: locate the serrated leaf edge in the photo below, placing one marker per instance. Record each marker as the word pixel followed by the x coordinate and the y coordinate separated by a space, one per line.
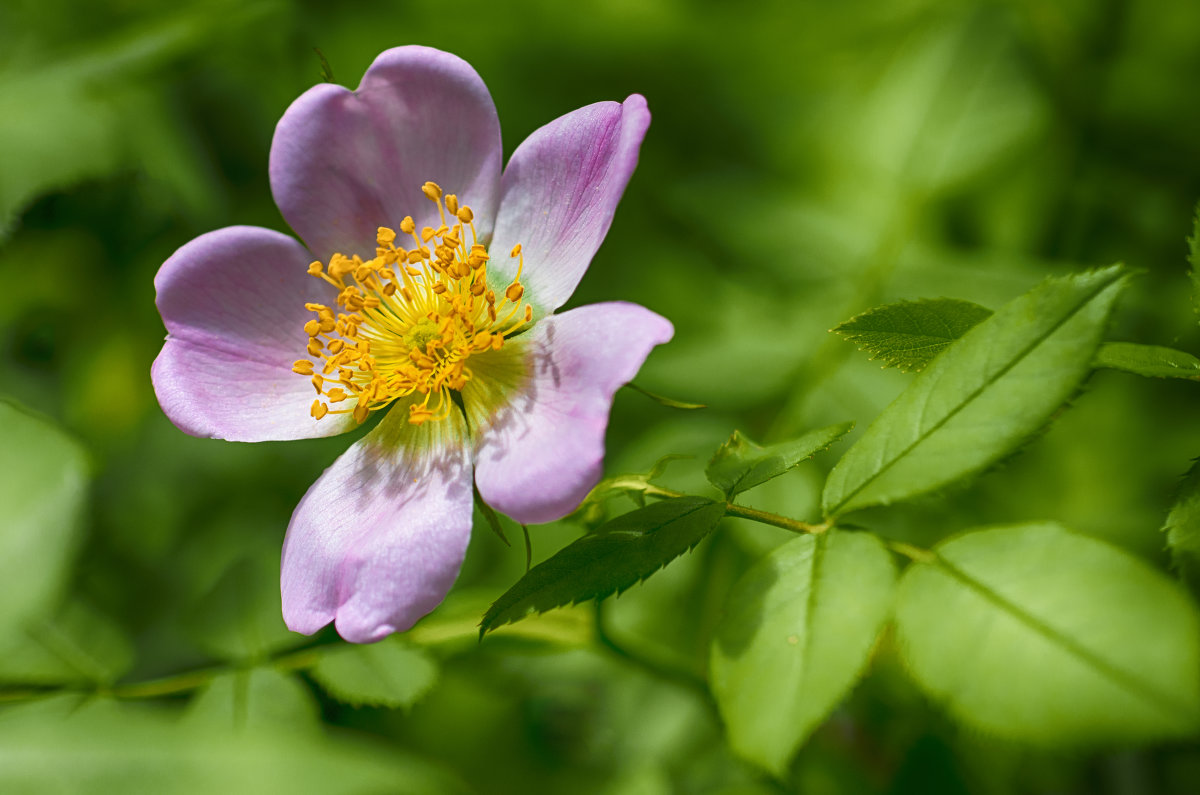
pixel 1120 274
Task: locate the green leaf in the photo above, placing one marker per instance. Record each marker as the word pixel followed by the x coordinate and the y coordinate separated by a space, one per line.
pixel 1194 261
pixel 1151 361
pixel 42 497
pixel 1042 635
pixel 390 673
pixel 636 486
pixel 618 555
pixel 260 697
pixel 983 397
pixel 490 517
pixel 454 626
pixel 670 403
pixel 68 116
pixel 65 745
pixel 1183 528
pixel 326 71
pixel 909 334
pixel 740 464
pixel 796 635
pixel 78 645
pixel 240 617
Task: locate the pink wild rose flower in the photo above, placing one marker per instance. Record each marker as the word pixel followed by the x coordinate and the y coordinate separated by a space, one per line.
pixel 427 284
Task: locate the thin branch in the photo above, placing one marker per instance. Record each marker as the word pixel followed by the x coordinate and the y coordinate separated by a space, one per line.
pixel 764 517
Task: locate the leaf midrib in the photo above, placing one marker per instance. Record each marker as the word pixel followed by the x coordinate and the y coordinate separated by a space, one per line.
pixel 1117 675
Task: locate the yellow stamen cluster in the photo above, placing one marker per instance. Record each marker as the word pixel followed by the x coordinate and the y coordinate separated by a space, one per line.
pixel 407 321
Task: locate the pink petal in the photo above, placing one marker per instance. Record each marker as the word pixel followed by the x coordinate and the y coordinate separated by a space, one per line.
pixel 344 163
pixel 544 450
pixel 233 303
pixel 561 188
pixel 379 538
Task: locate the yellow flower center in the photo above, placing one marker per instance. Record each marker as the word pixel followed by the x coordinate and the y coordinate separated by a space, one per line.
pixel 407 321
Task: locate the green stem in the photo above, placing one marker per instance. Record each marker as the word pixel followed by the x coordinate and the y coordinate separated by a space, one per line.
pixel 915 553
pixel 168 685
pixel 753 514
pixel 911 551
pixel 30 693
pixel 764 517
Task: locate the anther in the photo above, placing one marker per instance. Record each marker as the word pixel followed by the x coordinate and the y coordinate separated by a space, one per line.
pixel 382 299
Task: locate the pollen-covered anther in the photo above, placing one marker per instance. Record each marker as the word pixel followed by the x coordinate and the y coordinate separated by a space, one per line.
pixel 407 321
pixel 432 191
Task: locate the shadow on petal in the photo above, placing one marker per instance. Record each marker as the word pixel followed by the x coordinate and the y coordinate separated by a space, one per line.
pixel 378 540
pixel 541 447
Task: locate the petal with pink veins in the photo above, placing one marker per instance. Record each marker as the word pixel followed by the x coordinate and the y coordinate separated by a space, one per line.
pixel 233 304
pixel 560 191
pixel 378 540
pixel 344 163
pixel 542 449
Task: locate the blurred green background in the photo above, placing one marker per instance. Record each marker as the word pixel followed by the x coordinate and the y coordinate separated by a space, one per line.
pixel 806 161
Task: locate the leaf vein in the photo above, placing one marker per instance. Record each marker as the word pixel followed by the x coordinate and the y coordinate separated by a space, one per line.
pixel 1118 675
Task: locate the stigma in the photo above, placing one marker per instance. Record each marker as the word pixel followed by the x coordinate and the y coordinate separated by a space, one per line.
pixel 407 321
